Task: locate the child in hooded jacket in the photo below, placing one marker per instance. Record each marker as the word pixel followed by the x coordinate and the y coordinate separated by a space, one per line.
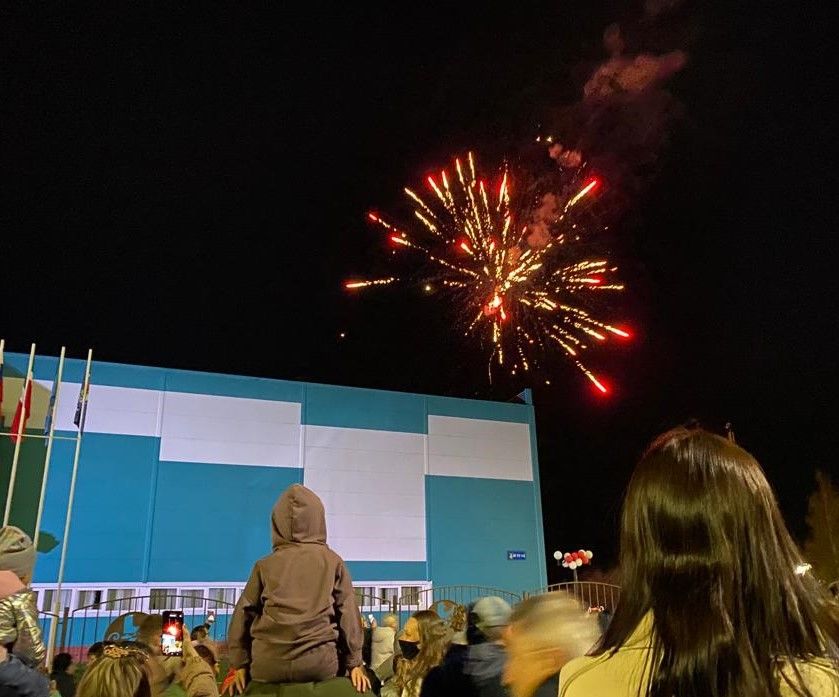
pixel 22 648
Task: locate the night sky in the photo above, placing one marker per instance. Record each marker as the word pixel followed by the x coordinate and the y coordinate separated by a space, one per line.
pixel 188 189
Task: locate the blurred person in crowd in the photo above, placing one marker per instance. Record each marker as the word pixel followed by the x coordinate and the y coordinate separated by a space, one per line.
pixel 457 623
pixel 710 601
pixel 201 637
pixel 545 632
pixel 486 622
pixel 383 647
pixel 430 636
pixel 297 619
pixel 23 649
pixel 63 669
pixel 195 674
pixel 95 651
pixel 121 671
pixel 476 669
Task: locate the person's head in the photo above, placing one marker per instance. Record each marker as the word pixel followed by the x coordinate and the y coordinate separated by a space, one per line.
pixel 457 620
pixel 545 632
pixel 390 620
pixel 121 671
pixel 298 516
pixel 434 638
pixel 62 663
pixel 206 654
pixel 199 633
pixel 413 627
pixel 17 554
pixel 486 619
pixel 95 651
pixel 704 549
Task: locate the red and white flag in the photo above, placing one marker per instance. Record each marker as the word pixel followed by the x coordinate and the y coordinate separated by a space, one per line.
pixel 24 409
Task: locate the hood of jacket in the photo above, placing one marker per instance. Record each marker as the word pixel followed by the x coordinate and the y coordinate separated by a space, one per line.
pixel 298 516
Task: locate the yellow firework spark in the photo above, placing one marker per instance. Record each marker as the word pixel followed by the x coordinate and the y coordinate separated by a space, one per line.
pixel 521 296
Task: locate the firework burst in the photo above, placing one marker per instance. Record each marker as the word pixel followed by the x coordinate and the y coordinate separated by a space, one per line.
pixel 516 272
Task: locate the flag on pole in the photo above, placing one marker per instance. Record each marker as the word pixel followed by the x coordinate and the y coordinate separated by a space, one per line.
pixel 24 409
pixel 81 406
pixel 50 408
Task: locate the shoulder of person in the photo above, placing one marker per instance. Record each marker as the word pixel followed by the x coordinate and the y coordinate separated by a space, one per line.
pixel 575 668
pixel 820 675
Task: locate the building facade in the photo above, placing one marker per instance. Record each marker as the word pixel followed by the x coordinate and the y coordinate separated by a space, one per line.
pixel 179 471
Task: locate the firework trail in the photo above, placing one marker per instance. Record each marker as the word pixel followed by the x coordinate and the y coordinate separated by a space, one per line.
pixel 515 272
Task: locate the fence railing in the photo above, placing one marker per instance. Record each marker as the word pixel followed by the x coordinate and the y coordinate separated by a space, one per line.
pixel 139 617
pixel 589 593
pixel 135 618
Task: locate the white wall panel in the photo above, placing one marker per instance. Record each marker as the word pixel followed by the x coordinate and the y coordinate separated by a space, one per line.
pixel 229 430
pixel 372 484
pixel 459 447
pixel 114 410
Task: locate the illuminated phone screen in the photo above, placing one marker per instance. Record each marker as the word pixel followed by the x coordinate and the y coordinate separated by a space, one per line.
pixel 172 634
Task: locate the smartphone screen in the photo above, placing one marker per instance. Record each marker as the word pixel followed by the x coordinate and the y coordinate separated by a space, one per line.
pixel 172 635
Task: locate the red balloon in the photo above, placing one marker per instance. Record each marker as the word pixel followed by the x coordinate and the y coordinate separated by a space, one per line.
pixel 567 556
pixel 575 556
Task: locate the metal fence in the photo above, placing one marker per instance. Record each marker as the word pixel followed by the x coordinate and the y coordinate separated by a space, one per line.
pixel 441 599
pixel 134 618
pixel 589 593
pixel 139 617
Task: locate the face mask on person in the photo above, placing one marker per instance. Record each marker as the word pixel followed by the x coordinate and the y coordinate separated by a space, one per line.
pixel 410 649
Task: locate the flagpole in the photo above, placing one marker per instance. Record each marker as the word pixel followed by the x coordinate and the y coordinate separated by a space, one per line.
pixel 53 409
pixel 66 539
pixel 20 426
pixel 2 351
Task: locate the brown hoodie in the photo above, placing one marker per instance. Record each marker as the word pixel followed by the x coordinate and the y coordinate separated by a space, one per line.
pixel 297 620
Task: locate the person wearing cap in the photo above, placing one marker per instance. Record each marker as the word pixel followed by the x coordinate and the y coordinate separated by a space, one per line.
pixel 477 671
pixel 22 647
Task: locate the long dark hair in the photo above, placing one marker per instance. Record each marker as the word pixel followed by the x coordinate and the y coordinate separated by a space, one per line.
pixel 705 550
pixel 434 639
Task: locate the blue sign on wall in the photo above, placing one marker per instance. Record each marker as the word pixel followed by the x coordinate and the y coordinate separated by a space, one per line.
pixel 516 555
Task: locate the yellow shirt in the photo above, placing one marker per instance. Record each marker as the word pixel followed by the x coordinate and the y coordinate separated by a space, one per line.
pixel 620 674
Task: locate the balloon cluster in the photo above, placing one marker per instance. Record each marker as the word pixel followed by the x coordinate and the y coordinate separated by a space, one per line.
pixel 574 560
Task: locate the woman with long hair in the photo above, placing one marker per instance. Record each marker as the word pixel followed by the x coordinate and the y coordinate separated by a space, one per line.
pixel 711 604
pixel 433 639
pixel 121 671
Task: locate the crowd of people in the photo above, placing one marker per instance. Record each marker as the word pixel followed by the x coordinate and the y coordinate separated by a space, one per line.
pixel 713 604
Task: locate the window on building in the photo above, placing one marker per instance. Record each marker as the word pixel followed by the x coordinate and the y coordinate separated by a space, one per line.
pixel 410 595
pixel 192 597
pixel 49 600
pixel 118 599
pixel 163 598
pixel 222 598
pixel 389 595
pixel 86 598
pixel 365 596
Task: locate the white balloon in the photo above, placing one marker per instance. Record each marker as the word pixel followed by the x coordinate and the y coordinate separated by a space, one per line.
pixel 557 555
pixel 589 554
